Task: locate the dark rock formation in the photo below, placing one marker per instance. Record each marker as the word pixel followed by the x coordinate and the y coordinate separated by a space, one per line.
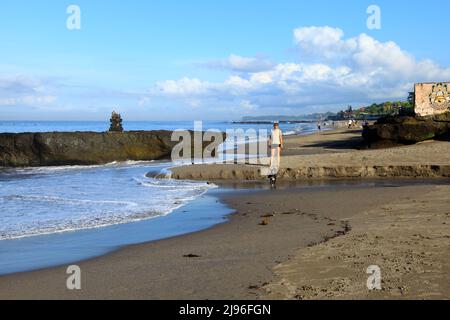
pixel 116 123
pixel 407 130
pixel 82 148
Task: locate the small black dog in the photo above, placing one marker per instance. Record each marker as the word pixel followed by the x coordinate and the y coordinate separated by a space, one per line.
pixel 273 180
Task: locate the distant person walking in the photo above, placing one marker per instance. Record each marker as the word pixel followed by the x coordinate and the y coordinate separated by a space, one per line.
pixel 319 126
pixel 276 144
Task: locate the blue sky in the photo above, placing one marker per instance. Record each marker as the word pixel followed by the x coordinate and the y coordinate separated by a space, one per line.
pixel 198 59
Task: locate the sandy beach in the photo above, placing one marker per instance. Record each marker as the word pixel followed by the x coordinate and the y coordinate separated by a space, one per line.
pixel 301 241
pixel 408 239
pixel 336 154
pixel 243 259
pixel 226 156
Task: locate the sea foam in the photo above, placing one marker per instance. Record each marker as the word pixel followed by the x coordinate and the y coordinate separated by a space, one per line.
pixel 38 201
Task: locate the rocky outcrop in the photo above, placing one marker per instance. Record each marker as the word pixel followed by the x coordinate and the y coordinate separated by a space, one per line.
pixel 116 122
pixel 407 130
pixel 82 148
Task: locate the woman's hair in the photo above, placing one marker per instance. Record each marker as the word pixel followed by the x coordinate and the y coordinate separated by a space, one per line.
pixel 276 125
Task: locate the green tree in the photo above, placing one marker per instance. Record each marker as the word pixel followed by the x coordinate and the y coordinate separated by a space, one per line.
pixel 412 99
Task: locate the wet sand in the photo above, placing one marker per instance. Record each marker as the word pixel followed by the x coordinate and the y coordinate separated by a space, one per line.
pixel 293 242
pixel 407 239
pixel 258 253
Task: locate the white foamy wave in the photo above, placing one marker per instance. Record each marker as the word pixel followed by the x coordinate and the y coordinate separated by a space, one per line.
pixel 50 224
pixel 81 224
pixel 64 200
pixel 62 169
pixel 60 199
pixel 169 184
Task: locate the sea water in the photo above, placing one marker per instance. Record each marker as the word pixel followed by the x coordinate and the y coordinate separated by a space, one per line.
pixel 52 200
pixel 43 211
pixel 101 126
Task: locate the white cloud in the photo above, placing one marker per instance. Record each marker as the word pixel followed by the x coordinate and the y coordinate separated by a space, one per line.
pixel 360 69
pixel 366 56
pixel 183 87
pixel 144 101
pixel 330 71
pixel 323 41
pixel 28 101
pixel 238 63
pixel 25 91
pixel 248 105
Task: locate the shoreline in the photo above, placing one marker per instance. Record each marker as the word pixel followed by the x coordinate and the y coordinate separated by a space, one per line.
pixel 222 214
pixel 334 155
pixel 57 240
pixel 259 249
pixel 19 254
pixel 236 262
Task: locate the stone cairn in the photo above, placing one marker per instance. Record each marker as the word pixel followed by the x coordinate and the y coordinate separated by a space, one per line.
pixel 116 123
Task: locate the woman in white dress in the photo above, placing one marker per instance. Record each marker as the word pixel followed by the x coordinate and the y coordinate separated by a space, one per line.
pixel 276 144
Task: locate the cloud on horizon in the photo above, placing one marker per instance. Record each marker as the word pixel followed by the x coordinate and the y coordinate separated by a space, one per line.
pixel 236 63
pixel 24 91
pixel 331 70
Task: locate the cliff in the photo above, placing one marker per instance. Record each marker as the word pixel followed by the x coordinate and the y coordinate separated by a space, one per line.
pixel 82 148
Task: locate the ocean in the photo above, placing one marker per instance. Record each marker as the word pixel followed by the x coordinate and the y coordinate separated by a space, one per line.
pixel 41 207
pixel 101 126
